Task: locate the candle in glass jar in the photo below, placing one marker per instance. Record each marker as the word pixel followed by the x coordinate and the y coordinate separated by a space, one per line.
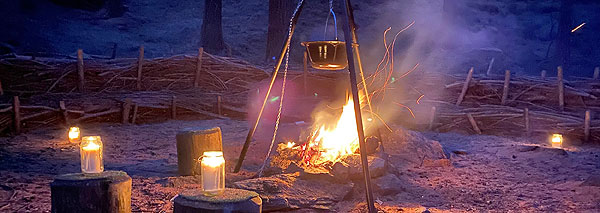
pixel 74 134
pixel 91 154
pixel 213 172
pixel 557 140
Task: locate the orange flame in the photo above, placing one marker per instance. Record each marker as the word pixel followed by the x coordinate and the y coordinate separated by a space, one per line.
pixel 330 143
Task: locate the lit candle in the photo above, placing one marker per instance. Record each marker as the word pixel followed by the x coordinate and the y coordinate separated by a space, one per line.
pixel 91 154
pixel 213 172
pixel 557 140
pixel 74 134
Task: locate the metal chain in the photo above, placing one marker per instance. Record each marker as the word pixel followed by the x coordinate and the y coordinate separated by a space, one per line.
pixel 285 70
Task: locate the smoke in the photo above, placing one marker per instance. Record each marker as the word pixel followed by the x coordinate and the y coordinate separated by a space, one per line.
pixel 438 40
pixel 424 36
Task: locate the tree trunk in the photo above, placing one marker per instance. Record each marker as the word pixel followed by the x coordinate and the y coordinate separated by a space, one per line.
pixel 563 48
pixel 212 28
pixel 280 12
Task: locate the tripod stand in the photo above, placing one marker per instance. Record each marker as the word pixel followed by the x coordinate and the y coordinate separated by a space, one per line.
pixel 351 49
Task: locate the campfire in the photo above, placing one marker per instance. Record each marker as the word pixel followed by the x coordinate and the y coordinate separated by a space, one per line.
pixel 330 142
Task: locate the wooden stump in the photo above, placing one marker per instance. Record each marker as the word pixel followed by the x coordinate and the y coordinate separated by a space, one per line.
pixel 232 200
pixel 108 191
pixel 191 143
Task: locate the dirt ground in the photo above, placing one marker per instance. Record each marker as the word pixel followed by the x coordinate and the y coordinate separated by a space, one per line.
pixel 489 173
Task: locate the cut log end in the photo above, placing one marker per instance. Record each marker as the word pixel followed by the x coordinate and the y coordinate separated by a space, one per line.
pixel 108 191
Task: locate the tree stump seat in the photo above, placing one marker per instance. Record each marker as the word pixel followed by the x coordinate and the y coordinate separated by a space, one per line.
pixel 109 191
pixel 191 144
pixel 232 200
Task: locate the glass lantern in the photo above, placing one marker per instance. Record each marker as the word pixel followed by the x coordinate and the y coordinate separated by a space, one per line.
pixel 90 150
pixel 556 140
pixel 74 134
pixel 213 173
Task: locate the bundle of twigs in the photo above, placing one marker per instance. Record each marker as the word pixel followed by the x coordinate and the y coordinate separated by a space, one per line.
pixel 22 75
pixel 120 90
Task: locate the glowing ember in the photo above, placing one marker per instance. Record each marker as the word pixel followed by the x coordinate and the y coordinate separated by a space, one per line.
pixel 578 27
pixel 329 143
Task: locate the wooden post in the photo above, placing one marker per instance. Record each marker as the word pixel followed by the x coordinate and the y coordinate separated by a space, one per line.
pixel 506 87
pixel 80 71
pixel 198 67
pixel 305 77
pixel 135 112
pixel 109 191
pixel 489 70
pixel 173 108
pixel 191 143
pixel 465 87
pixel 431 118
pixel 125 111
pixel 17 114
pixel 139 69
pixel 219 105
pixel 63 111
pixel 527 125
pixel 561 89
pixel 473 123
pixel 586 126
pixel 596 73
pixel 543 74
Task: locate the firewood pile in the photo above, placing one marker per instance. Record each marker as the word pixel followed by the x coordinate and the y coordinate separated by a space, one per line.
pixel 511 104
pixel 54 90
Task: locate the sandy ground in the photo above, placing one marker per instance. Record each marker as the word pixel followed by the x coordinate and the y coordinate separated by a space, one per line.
pixel 493 175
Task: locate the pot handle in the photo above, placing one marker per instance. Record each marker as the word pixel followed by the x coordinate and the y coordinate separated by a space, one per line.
pixel 334 22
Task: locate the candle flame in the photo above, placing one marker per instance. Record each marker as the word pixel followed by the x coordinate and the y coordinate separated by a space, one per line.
pixel 557 140
pixel 213 159
pixel 91 146
pixel 92 143
pixel 74 133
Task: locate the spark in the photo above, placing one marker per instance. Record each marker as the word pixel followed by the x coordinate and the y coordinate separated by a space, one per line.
pixel 408 108
pixel 411 70
pixel 418 99
pixel 578 27
pixel 421 95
